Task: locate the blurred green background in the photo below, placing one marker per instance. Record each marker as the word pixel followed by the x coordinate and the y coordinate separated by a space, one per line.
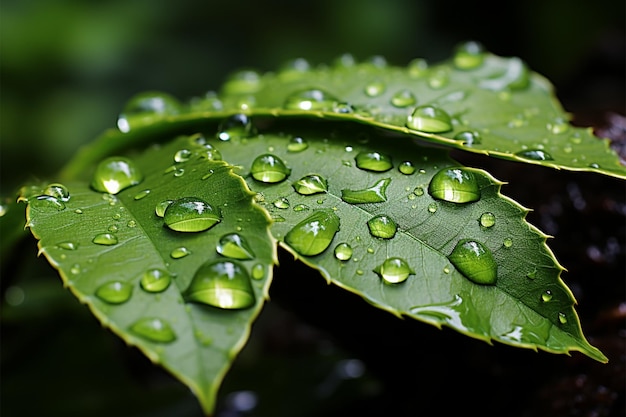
pixel 68 66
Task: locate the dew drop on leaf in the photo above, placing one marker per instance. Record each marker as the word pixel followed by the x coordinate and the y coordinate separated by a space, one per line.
pixel 373 161
pixel 114 292
pixel 160 207
pixel 258 271
pixel 455 185
pixel 562 318
pixel 432 207
pixel 469 55
pixel 141 194
pixel 105 239
pixel 182 155
pixel 146 106
pixel 394 270
pixel 269 168
pixel 438 79
pixel 311 184
pixel 155 280
pixel 58 191
pixel 233 245
pixel 154 329
pixel 374 89
pixel 46 202
pixel 300 207
pixel 535 155
pixel 546 296
pixel 474 261
pixel 115 174
pixel 418 191
pixel 314 234
pixel 222 284
pixel 487 219
pixel 343 251
pixel 374 194
pixel 242 82
pixel 507 242
pixel 312 99
pixel 180 252
pixel 68 245
pixel 382 226
pixel 191 214
pixel 281 203
pixel 406 167
pixel 468 137
pixel 297 144
pixel 234 127
pixel 403 98
pixel 429 119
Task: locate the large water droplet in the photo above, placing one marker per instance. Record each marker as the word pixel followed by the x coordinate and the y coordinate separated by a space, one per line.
pixel 234 127
pixel 469 55
pixel 456 185
pixel 106 239
pixel 269 168
pixel 314 234
pixel 535 155
pixel 58 191
pixel 313 99
pixel 394 270
pixel 233 245
pixel 373 161
pixel 222 284
pixel 114 292
pixel 403 98
pixel 155 280
pixel 154 329
pixel 311 184
pixel 343 251
pixel 143 107
pixel 374 194
pixel 46 202
pixel 382 226
pixel 475 261
pixel 429 119
pixel 297 144
pixel 114 174
pixel 191 214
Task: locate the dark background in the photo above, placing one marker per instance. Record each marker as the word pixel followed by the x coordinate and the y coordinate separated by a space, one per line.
pixel 68 66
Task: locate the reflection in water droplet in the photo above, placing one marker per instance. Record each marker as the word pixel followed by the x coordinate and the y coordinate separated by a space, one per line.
pixel 373 161
pixel 68 245
pixel 235 127
pixel 546 296
pixel 429 119
pixel 343 251
pixel 106 239
pixel 115 174
pixel 144 107
pixel 469 137
pixel 141 194
pixel 222 284
pixel 155 280
pixel 311 184
pixel 313 99
pixel 191 214
pixel 114 292
pixel 456 185
pixel 258 271
pixel 382 226
pixel 475 261
pixel 182 155
pixel 406 167
pixel 46 202
pixel 154 329
pixel 535 155
pixel 374 194
pixel 314 234
pixel 180 252
pixel 281 203
pixel 403 98
pixel 58 191
pixel 487 219
pixel 515 77
pixel 374 89
pixel 300 207
pixel 394 270
pixel 297 144
pixel 269 168
pixel 469 55
pixel 562 318
pixel 160 208
pixel 233 245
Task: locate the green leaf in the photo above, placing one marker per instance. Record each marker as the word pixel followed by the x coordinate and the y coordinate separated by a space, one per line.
pixel 103 245
pixel 345 228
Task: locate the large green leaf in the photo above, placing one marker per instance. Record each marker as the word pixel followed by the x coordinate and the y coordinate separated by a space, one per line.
pixel 103 245
pixel 529 305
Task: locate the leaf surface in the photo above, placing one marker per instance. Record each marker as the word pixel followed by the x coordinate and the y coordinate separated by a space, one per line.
pixel 195 341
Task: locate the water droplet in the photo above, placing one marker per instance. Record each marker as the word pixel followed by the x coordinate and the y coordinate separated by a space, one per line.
pixel 160 208
pixel 242 82
pixel 182 155
pixel 487 219
pixel 468 137
pixel 114 174
pixel 297 144
pixel 432 207
pixel 429 119
pixel 144 107
pixel 314 234
pixel 258 271
pixel 374 89
pixel 516 76
pixel 394 270
pixel 373 161
pixel 155 280
pixel 310 184
pixel 235 127
pixel 382 226
pixel 68 245
pixel 180 252
pixel 106 239
pixel 343 251
pixel 154 329
pixel 559 126
pixel 403 98
pixel 141 194
pixel 46 202
pixel 113 229
pixel 58 191
pixel 546 296
pixel 179 172
pixel 131 223
pixel 269 168
pixel 508 242
pixel 535 155
pixel 475 261
pixel 313 99
pixel 300 207
pixel 233 245
pixel 114 292
pixel 456 185
pixel 374 194
pixel 562 318
pixel 469 55
pixel 281 203
pixel 222 284
pixel 191 214
pixel 532 274
pixel 406 167
pixel 438 79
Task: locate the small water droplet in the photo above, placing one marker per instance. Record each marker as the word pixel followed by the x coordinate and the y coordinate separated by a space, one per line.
pixel 382 226
pixel 438 79
pixel 154 329
pixel 179 172
pixel 313 99
pixel 558 126
pixel 236 126
pixel 297 144
pixel 374 89
pixel 221 284
pixel 191 214
pixel 394 270
pixel 374 194
pixel 300 207
pixel 58 191
pixel 68 245
pixel 468 137
pixel 373 161
pixel 474 261
pixel 432 207
pixel 160 208
pixel 487 219
pixel 115 174
pixel 113 229
pixel 233 245
pixel 182 155
pixel 155 280
pixel 75 269
pixel 46 202
pixel 562 318
pixel 144 107
pixel 446 270
pixel 535 155
pixel 403 98
pixel 180 252
pixel 78 211
pixel 258 271
pixel 114 292
pixel 106 239
pixel 406 167
pixel 269 168
pixel 242 82
pixel 131 223
pixel 141 194
pixel 546 296
pixel 311 184
pixel 508 242
pixel 281 203
pixel 343 251
pixel 469 55
pixel 314 234
pixel 429 119
pixel 456 185
pixel 532 274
